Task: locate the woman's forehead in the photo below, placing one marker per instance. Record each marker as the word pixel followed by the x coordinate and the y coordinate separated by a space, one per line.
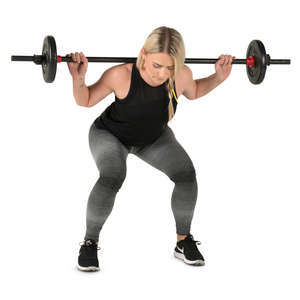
pixel 163 59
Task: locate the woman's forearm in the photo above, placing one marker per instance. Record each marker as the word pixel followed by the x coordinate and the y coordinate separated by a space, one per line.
pixel 80 91
pixel 205 85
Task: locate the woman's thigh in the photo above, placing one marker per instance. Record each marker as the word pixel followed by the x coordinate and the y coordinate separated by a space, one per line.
pixel 167 155
pixel 108 152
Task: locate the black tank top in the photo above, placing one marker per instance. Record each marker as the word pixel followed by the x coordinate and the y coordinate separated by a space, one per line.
pixel 140 118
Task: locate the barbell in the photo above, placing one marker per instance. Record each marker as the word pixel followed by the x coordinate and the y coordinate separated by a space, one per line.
pixel 256 60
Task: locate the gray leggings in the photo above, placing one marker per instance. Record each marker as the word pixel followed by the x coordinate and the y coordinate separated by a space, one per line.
pixel 165 154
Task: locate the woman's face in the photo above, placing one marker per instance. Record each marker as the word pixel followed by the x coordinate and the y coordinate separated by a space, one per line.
pixel 158 67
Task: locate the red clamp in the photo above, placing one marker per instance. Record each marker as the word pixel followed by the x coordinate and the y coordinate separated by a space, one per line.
pixel 59 59
pixel 250 61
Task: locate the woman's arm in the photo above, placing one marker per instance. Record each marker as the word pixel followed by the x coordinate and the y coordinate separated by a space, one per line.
pixel 205 85
pixel 80 91
pixel 89 96
pixel 104 86
pixel 194 89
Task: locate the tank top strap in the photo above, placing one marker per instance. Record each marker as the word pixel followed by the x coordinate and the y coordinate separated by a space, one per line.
pixel 134 75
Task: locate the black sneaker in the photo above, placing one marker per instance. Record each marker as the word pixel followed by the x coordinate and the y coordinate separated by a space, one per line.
pixel 187 251
pixel 87 259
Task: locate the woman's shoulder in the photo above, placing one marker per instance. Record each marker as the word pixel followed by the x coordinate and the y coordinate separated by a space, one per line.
pixel 124 70
pixel 123 79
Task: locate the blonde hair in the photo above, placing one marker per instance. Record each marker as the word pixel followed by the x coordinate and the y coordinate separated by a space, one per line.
pixel 165 40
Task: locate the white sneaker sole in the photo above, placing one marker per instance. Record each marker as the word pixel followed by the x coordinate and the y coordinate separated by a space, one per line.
pixel 88 269
pixel 181 256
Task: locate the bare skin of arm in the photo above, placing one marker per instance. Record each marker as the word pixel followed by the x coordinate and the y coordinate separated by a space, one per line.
pixel 89 96
pixel 194 89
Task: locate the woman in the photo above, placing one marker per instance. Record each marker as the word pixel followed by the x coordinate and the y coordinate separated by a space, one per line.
pixel 146 95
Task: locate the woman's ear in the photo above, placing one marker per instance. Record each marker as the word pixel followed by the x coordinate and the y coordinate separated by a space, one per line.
pixel 143 52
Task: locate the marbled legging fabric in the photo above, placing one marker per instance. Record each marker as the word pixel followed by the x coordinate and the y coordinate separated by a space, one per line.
pixel 165 154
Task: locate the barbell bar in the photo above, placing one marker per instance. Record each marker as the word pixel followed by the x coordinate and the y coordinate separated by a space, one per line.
pixel 256 60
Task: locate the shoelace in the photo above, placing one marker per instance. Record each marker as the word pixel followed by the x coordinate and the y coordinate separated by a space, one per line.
pixel 191 238
pixel 196 242
pixel 190 241
pixel 89 244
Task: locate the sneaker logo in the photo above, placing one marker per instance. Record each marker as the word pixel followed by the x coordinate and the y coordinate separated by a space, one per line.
pixel 181 250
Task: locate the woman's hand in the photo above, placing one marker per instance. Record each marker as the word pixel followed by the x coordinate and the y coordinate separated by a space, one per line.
pixel 79 66
pixel 223 66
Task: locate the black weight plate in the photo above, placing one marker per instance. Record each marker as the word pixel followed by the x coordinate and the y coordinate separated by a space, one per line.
pixel 49 59
pixel 257 73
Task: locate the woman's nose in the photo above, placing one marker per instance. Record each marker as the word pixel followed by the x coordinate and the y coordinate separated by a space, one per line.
pixel 163 74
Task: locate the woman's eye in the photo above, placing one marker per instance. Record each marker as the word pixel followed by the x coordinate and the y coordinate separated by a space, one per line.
pixel 157 66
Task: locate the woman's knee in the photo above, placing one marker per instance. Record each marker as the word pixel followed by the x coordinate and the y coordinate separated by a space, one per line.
pixel 184 176
pixel 112 181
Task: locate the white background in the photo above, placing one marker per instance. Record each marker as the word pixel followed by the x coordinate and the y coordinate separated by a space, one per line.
pixel 243 140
